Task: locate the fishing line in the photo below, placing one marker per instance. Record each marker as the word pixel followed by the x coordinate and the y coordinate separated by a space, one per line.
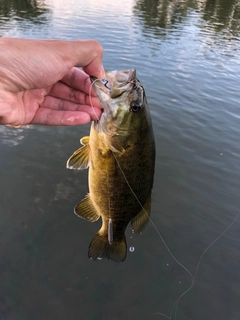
pixel 155 227
pixel 90 97
pixel 196 271
pixel 110 225
pixel 161 237
pixel 172 255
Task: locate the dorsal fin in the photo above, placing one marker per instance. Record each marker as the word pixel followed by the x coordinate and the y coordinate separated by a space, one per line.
pixel 139 222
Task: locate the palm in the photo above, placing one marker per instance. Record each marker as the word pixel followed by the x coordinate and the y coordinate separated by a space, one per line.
pixel 42 87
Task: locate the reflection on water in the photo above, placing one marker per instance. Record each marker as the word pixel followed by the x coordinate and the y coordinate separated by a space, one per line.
pixel 11 136
pixel 15 14
pixel 161 14
pixel 187 56
pixel 223 14
pixel 33 10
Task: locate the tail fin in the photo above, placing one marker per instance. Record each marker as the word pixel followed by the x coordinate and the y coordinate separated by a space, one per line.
pixel 100 248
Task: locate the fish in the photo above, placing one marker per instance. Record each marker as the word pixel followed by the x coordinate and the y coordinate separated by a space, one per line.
pixel 120 156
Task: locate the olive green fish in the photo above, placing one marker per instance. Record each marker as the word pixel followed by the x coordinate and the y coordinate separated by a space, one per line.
pixel 120 155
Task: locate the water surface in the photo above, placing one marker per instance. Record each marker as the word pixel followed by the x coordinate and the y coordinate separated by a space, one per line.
pixel 187 56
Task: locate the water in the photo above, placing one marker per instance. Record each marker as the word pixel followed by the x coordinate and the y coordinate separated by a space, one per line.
pixel 187 56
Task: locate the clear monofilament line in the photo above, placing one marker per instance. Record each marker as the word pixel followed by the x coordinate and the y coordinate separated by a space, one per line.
pixel 172 255
pixel 175 306
pixel 90 97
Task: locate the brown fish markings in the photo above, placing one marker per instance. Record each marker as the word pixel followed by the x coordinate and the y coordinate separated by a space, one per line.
pixel 120 154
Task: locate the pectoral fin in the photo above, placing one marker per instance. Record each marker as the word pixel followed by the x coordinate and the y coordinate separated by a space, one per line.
pixel 84 140
pixel 86 210
pixel 80 159
pixel 139 222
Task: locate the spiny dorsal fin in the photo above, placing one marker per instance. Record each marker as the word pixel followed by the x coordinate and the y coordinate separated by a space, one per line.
pixel 79 160
pixel 100 248
pixel 86 210
pixel 139 222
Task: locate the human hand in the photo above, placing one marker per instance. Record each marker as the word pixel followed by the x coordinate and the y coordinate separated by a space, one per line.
pixel 39 83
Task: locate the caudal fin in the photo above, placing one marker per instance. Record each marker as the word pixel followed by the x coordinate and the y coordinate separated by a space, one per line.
pixel 100 248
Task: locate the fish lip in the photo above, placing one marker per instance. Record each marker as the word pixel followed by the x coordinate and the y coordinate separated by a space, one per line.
pixel 100 86
pixel 112 92
pixel 102 91
pixel 122 80
pixel 114 79
pixel 132 74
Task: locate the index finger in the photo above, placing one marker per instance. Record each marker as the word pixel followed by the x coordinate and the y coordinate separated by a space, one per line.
pixel 88 55
pixel 78 80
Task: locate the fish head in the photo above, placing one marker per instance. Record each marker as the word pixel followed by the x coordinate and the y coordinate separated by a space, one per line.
pixel 124 107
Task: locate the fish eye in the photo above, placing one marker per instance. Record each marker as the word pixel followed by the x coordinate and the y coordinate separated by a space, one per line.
pixel 135 106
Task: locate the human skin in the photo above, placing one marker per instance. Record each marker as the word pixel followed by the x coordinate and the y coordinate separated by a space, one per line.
pixel 40 84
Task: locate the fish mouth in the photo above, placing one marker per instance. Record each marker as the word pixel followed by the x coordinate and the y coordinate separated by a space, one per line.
pixel 114 85
pixel 119 79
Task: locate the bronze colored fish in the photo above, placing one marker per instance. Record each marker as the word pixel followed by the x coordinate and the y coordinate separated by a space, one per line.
pixel 120 154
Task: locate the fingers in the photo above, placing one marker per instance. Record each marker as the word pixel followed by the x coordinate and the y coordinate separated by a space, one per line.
pixel 93 52
pixel 48 89
pixel 50 117
pixel 77 79
pixel 76 88
pixel 57 112
pixel 44 62
pixel 64 105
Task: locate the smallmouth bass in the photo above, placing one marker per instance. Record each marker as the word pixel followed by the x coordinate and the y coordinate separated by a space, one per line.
pixel 120 155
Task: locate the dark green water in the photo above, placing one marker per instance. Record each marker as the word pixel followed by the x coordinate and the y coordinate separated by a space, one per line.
pixel 187 55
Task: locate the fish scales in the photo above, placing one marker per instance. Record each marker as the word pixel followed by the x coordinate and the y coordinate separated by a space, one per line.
pixel 120 154
pixel 109 189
